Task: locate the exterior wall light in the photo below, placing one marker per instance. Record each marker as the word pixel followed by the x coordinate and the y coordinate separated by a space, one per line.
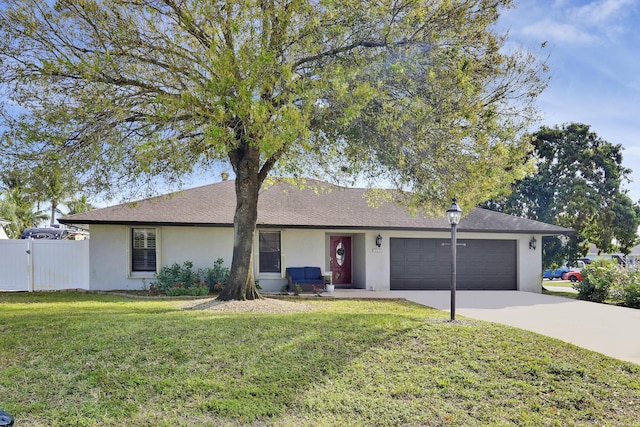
pixel 533 243
pixel 378 240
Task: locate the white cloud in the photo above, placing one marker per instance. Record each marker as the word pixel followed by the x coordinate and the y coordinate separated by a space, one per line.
pixel 559 32
pixel 601 12
pixel 601 21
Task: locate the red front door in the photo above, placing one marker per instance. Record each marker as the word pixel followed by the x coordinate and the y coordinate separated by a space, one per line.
pixel 341 259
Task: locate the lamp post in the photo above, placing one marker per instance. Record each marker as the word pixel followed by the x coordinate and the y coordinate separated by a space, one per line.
pixel 454 213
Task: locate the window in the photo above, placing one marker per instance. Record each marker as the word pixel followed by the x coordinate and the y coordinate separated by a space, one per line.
pixel 269 254
pixel 143 249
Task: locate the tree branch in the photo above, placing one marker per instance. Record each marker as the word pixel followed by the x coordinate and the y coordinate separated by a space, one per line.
pixel 361 43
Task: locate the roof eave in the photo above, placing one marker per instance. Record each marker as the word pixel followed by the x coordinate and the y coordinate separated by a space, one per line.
pixel 319 226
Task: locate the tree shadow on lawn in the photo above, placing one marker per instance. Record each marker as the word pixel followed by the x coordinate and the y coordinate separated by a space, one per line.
pixel 127 360
pixel 147 364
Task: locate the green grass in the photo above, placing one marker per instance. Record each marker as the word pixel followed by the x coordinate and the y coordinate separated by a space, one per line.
pixel 100 360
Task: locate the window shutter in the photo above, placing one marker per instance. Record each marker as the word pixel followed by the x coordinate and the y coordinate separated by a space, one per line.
pixel 143 252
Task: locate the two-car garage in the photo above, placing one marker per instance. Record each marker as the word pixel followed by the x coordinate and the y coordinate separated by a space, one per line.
pixel 425 264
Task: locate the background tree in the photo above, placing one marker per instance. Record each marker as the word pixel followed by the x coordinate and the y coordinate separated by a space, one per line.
pixel 17 207
pixel 577 184
pixel 418 94
pixel 53 183
pixel 78 205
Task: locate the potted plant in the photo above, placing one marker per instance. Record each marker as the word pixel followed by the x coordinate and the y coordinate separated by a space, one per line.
pixel 329 286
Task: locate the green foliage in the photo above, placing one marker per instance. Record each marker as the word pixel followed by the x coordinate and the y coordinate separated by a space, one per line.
pixel 77 205
pixel 215 278
pixel 577 184
pixel 176 277
pixel 199 289
pixel 423 94
pixel 19 209
pixel 553 252
pixel 179 279
pixel 626 289
pixel 630 292
pixel 43 179
pixel 598 279
pixel 605 280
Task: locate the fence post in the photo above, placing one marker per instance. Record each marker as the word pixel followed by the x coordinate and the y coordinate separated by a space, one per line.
pixel 30 266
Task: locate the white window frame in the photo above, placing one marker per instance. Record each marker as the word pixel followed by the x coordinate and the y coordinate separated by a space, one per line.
pixel 270 274
pixel 142 274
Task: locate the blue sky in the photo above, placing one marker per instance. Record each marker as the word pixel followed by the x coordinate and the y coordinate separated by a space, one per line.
pixel 594 49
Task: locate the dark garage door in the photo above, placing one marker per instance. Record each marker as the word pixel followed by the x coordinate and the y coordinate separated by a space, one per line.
pixel 426 264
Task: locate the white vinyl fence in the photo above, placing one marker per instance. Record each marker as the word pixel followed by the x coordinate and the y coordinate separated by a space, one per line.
pixel 43 265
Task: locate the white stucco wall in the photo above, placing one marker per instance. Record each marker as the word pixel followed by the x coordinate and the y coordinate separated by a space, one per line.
pixel 108 258
pixel 530 265
pixel 200 245
pixel 110 252
pixel 110 265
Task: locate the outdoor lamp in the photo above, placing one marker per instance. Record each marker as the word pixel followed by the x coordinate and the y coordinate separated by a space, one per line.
pixel 533 243
pixel 453 215
pixel 378 240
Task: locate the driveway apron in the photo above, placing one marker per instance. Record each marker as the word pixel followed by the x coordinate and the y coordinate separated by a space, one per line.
pixel 610 330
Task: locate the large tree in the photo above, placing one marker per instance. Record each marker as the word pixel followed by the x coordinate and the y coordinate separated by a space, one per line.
pixel 421 95
pixel 577 184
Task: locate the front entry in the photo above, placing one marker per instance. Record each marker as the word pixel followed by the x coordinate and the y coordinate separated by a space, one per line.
pixel 340 259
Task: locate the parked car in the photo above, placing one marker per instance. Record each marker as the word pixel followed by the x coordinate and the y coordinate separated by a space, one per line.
pixel 555 274
pixel 573 276
pixel 48 233
pixel 578 264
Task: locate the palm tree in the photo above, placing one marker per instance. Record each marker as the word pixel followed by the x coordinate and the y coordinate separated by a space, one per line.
pixel 52 182
pixel 78 205
pixel 17 208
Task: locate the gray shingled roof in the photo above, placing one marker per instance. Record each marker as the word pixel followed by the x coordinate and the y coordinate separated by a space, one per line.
pixel 283 205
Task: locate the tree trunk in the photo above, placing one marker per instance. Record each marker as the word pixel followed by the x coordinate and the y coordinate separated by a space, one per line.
pixel 241 285
pixel 54 207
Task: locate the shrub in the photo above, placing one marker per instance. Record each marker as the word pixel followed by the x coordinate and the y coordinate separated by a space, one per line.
pixel 215 278
pixel 630 291
pixel 601 279
pixel 596 282
pixel 170 277
pixel 182 280
pixel 198 290
pixel 179 280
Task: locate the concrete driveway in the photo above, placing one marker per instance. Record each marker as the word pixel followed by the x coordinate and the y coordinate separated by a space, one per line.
pixel 610 330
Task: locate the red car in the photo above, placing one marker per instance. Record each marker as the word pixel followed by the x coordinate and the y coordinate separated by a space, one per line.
pixel 574 276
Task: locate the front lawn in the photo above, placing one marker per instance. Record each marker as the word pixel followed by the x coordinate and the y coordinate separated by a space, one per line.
pixel 101 360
